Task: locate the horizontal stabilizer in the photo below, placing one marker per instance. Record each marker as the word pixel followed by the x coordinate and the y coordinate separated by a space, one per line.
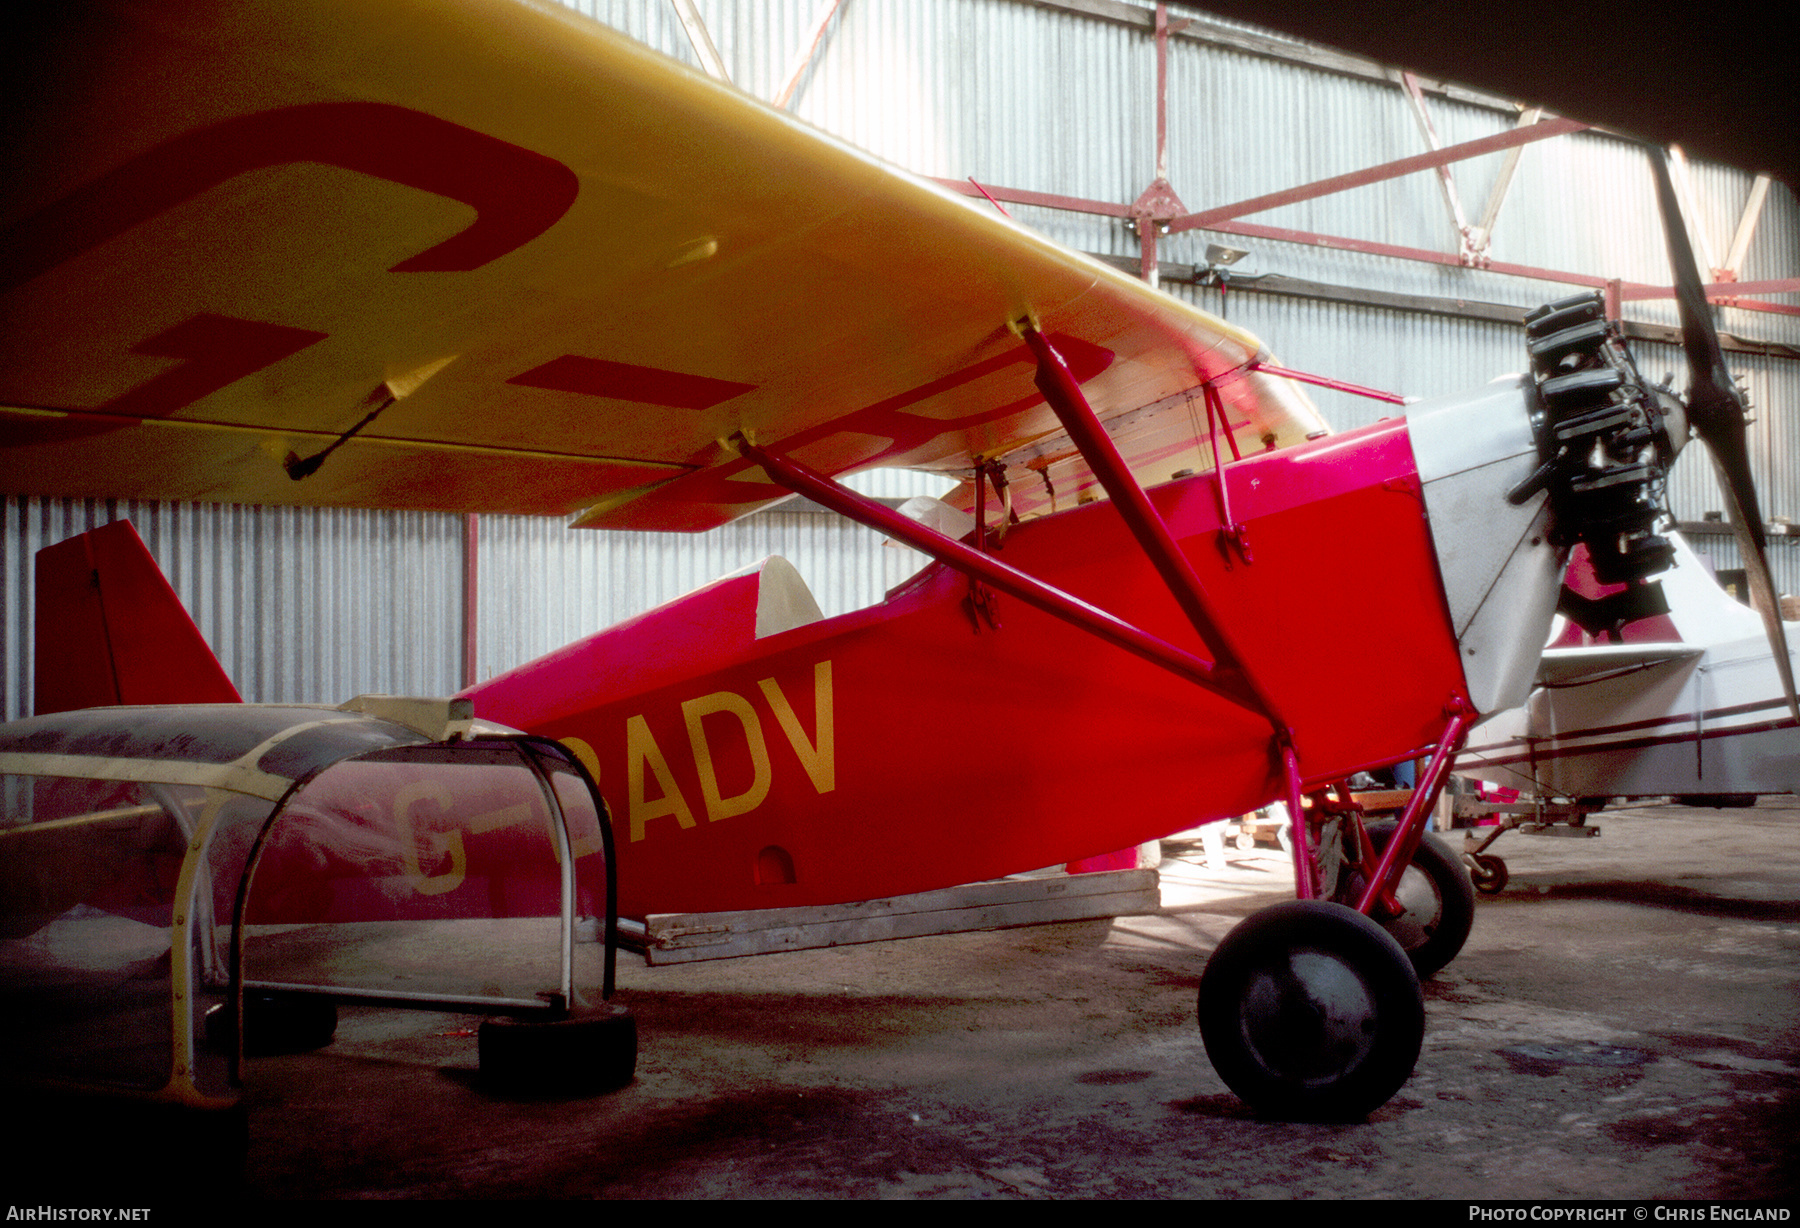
pixel 110 630
pixel 1567 666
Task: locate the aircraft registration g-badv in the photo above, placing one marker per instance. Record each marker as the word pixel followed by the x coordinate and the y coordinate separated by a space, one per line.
pixel 482 256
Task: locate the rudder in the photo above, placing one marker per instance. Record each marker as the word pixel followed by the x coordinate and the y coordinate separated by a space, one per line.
pixel 110 629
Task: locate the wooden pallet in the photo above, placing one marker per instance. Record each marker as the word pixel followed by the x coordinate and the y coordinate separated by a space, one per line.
pixel 673 938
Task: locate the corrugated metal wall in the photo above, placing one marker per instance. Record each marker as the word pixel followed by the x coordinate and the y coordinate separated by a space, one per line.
pixel 301 605
pixel 308 606
pixel 317 605
pixel 543 585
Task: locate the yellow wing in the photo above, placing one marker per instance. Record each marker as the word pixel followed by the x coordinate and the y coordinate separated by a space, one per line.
pixel 545 269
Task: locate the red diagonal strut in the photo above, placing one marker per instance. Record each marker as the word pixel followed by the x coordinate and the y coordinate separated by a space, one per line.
pixel 1060 389
pixel 807 481
pixel 1398 854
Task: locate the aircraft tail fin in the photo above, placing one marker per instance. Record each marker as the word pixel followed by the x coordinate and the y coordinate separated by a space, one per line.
pixel 110 629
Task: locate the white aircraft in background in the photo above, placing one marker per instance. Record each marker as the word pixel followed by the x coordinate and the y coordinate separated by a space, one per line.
pixel 1691 706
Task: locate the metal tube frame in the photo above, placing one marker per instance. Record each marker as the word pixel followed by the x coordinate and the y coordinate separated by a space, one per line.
pixel 1232 534
pixel 1063 392
pixel 1384 880
pixel 1223 221
pixel 552 1004
pixel 797 476
pixel 1325 381
pixel 1206 219
pixel 1306 870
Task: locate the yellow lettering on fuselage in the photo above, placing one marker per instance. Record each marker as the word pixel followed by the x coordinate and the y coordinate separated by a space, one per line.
pixel 728 702
pixel 816 752
pixel 641 750
pixel 819 755
pixel 413 834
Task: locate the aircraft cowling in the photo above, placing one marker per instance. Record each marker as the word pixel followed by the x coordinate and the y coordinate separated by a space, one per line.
pixel 1691 705
pixel 1501 571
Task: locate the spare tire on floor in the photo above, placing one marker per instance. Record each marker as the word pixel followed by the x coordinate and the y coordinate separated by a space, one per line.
pixel 275 1023
pixel 594 1050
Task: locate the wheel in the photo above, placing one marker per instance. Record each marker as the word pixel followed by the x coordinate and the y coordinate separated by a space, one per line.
pixel 275 1023
pixel 1436 895
pixel 1311 1012
pixel 593 1051
pixel 1246 840
pixel 1489 874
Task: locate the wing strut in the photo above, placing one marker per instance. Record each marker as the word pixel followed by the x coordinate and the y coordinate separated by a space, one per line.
pixel 796 476
pixel 1227 677
pixel 1060 389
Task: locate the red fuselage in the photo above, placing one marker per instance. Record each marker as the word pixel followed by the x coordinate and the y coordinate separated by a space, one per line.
pixel 897 749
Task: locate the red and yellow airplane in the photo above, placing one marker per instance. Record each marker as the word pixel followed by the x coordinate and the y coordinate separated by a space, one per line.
pixel 478 255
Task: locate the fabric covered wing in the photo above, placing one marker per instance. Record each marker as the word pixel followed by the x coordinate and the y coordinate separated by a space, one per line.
pixel 546 269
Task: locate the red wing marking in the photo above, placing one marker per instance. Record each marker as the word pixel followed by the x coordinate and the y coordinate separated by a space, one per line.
pixel 624 382
pixel 516 194
pixel 1085 361
pixel 219 351
pixel 954 380
pixel 718 485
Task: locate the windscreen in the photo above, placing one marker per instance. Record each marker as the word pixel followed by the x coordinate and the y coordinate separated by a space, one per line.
pixel 424 870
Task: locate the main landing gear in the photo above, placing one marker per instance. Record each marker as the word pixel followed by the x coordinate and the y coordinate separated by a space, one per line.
pixel 1311 1010
pixel 1436 898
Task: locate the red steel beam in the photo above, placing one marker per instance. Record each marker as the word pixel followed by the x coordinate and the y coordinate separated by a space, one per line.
pixel 1715 291
pixel 1162 90
pixel 1737 294
pixel 1283 234
pixel 471 597
pixel 1043 200
pixel 1540 131
pixel 1727 292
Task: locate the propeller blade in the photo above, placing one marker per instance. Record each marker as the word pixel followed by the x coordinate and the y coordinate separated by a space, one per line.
pixel 1713 405
pixel 1716 413
pixel 1762 585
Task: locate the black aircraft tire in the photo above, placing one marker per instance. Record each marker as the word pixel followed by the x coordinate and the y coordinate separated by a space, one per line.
pixel 593 1051
pixel 1490 874
pixel 275 1023
pixel 1311 1012
pixel 1437 894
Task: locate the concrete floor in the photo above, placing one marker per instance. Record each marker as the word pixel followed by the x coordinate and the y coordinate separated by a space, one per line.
pixel 1624 1023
